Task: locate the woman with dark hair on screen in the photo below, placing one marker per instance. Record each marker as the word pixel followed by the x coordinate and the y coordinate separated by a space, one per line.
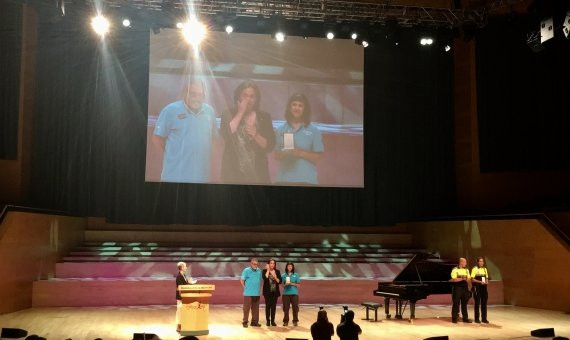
pixel 249 136
pixel 291 283
pixel 299 144
pixel 271 278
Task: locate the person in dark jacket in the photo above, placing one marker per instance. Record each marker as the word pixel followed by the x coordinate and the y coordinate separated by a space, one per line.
pixel 271 279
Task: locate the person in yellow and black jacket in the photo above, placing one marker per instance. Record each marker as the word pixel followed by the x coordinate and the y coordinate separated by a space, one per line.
pixel 460 291
pixel 480 280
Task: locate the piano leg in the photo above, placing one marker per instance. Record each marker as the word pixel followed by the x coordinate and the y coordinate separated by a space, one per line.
pixel 412 311
pixel 387 307
pixel 398 310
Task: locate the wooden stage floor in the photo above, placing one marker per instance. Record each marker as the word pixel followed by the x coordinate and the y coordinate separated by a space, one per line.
pixel 507 322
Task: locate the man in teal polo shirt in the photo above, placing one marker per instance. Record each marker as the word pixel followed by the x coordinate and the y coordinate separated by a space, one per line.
pixel 184 131
pixel 251 283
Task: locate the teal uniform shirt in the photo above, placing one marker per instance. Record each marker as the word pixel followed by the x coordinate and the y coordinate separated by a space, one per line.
pixel 290 289
pixel 295 169
pixel 252 281
pixel 188 142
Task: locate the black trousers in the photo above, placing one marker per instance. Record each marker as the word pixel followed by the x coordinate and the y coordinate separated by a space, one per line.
pixel 480 296
pixel 459 295
pixel 270 307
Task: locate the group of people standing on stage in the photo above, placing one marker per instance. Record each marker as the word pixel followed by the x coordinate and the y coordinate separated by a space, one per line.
pixel 185 131
pixel 460 278
pixel 251 280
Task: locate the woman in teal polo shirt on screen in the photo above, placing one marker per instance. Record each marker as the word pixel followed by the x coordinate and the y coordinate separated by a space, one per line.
pixel 299 144
pixel 290 296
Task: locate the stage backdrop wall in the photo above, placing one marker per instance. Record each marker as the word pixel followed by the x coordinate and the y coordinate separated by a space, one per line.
pixel 531 262
pixel 90 137
pixel 30 245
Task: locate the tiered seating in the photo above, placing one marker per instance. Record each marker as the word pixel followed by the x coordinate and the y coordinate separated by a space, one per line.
pixel 123 272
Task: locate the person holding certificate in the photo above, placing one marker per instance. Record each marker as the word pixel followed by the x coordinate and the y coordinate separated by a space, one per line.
pixel 291 282
pixel 299 144
pixel 480 280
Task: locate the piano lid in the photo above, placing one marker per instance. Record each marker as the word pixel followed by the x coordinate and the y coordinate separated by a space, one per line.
pixel 423 269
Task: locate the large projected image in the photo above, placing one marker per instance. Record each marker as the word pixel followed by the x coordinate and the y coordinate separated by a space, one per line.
pixel 248 109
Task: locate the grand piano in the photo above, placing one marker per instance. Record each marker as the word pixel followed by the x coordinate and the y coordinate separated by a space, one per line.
pixel 423 275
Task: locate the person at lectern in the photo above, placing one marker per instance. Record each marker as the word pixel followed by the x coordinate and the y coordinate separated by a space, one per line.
pixel 251 283
pixel 249 137
pixel 181 279
pixel 460 278
pixel 480 280
pixel 271 279
pixel 299 144
pixel 184 131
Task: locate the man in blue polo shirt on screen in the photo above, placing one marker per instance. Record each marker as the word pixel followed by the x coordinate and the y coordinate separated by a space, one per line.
pixel 185 130
pixel 251 283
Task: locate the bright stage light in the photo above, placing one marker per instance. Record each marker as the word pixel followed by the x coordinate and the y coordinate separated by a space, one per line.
pixel 426 41
pixel 447 48
pixel 364 43
pixel 354 36
pixel 126 23
pixel 229 29
pixel 194 32
pixel 330 35
pixel 179 25
pixel 280 36
pixel 100 25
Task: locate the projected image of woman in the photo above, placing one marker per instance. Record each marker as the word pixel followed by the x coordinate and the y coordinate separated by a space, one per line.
pixel 299 144
pixel 249 136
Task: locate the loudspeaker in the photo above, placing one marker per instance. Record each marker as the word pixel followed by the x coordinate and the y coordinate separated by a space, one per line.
pixel 145 336
pixel 444 337
pixel 13 333
pixel 543 333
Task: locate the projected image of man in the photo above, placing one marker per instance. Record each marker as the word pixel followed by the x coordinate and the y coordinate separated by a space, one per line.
pixel 249 136
pixel 184 131
pixel 299 144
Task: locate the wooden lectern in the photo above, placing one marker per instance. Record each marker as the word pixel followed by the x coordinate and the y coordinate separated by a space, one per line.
pixel 195 309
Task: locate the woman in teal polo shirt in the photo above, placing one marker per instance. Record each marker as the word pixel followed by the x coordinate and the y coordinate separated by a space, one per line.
pixel 290 296
pixel 298 162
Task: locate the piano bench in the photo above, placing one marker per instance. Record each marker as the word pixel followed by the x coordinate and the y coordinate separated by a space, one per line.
pixel 371 306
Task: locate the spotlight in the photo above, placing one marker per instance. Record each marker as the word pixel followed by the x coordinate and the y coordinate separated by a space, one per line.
pixel 179 25
pixel 353 36
pixel 280 36
pixel 426 41
pixel 126 23
pixel 100 25
pixel 229 29
pixel 194 32
pixel 447 48
pixel 330 35
pixel 364 43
